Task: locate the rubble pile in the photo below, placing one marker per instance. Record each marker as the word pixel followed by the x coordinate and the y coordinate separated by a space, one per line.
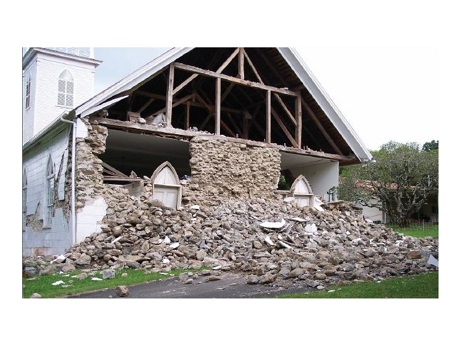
pixel 270 241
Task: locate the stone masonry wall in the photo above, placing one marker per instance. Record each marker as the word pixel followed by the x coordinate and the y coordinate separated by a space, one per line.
pixel 231 169
pixel 221 169
pixel 89 177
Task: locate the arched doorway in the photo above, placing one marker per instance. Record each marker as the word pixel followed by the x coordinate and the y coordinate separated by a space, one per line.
pixel 166 186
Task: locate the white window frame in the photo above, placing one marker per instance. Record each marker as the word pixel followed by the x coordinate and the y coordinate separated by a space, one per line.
pixel 65 90
pixel 28 91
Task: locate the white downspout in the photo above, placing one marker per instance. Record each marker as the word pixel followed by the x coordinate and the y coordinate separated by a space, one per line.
pixel 72 198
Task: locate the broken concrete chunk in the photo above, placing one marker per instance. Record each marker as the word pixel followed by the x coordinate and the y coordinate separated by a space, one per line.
pixel 301 220
pixel 59 259
pixel 433 261
pixel 269 241
pixel 317 204
pixel 311 228
pixel 285 245
pixel 273 225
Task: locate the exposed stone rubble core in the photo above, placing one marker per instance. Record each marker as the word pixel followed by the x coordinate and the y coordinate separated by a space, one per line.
pixel 231 169
pixel 89 177
pixel 313 248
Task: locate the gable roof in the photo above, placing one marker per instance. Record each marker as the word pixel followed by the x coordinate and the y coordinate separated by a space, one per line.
pixel 133 79
pixel 323 113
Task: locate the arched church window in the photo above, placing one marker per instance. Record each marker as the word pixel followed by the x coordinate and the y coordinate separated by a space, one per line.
pixel 28 87
pixel 65 89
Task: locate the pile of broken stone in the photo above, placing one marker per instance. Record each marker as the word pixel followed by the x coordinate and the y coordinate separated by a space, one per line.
pixel 269 241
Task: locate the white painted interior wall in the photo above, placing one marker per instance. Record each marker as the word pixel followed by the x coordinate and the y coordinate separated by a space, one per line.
pixel 322 176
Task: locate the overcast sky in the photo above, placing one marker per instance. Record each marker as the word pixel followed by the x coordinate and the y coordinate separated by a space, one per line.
pixel 384 93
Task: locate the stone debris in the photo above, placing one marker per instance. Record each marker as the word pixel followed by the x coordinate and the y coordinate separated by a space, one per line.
pixel 122 291
pixel 108 274
pixel 433 261
pixel 273 225
pixel 335 246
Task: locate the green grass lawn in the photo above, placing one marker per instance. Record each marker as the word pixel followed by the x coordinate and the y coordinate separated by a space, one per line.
pixel 72 285
pixel 417 230
pixel 417 286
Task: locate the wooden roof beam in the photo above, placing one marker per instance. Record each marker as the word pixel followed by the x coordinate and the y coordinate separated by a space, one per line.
pixel 198 70
pixel 146 104
pixel 284 128
pixel 235 125
pixel 184 83
pixel 229 59
pixel 278 98
pixel 150 94
pixel 241 54
pixel 304 104
pixel 175 104
pixel 108 169
pixel 320 127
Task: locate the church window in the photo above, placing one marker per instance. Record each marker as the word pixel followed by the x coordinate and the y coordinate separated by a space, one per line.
pixel 28 86
pixel 65 89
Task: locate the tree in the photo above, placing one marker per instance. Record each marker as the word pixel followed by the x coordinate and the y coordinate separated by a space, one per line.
pixel 430 146
pixel 397 182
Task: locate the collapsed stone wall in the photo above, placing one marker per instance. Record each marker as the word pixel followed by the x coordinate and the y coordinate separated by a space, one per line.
pixel 221 169
pixel 225 168
pixel 89 177
pixel 313 247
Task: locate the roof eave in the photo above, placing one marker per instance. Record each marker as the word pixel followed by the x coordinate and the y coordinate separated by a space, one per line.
pixel 56 126
pixel 31 52
pixel 133 78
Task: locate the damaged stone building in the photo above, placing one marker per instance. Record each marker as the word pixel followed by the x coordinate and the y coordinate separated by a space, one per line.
pixel 193 126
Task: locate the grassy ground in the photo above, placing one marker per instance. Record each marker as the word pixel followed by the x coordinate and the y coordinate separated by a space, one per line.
pixel 418 230
pixel 417 286
pixel 61 285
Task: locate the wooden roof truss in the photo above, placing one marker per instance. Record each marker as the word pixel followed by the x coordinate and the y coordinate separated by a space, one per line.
pixel 234 96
